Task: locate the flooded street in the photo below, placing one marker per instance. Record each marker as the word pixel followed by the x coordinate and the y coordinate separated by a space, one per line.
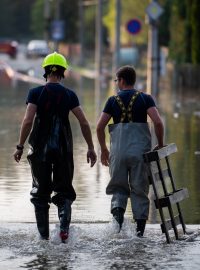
pixel 94 246
pixel 93 241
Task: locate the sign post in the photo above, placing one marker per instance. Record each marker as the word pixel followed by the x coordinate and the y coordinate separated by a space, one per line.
pixel 153 11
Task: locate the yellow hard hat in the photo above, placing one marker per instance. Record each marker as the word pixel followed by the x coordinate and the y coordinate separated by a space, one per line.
pixel 55 59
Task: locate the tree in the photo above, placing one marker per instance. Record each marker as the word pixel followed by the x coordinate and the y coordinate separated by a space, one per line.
pixel 15 18
pixel 164 22
pixel 177 32
pixel 188 32
pixel 195 25
pixel 37 19
pixel 68 13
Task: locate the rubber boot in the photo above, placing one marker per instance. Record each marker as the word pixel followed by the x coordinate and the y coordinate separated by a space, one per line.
pixel 42 219
pixel 64 214
pixel 118 214
pixel 141 223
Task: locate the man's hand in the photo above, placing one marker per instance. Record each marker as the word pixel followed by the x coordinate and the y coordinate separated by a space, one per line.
pixel 157 147
pixel 105 157
pixel 91 157
pixel 17 155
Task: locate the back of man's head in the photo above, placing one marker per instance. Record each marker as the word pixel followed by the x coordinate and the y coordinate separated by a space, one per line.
pixel 127 73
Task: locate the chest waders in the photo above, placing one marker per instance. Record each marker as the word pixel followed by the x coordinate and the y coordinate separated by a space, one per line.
pixel 128 142
pixel 51 161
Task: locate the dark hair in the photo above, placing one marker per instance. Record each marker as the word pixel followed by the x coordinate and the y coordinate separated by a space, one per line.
pixel 55 70
pixel 127 73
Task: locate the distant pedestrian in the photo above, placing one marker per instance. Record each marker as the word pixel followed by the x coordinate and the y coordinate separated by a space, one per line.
pixel 51 148
pixel 130 138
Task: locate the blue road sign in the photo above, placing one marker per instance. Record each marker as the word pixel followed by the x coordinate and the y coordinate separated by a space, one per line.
pixel 134 26
pixel 57 30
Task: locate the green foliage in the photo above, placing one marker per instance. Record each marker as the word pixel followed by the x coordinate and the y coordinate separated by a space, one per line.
pixel 184 31
pixel 37 19
pixel 68 13
pixel 89 26
pixel 188 32
pixel 164 21
pixel 195 23
pixel 177 32
pixel 15 18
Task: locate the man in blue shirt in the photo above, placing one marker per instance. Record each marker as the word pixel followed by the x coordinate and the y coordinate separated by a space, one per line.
pixel 51 152
pixel 130 138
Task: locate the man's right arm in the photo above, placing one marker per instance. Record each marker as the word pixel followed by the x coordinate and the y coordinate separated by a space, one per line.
pixel 25 129
pixel 158 125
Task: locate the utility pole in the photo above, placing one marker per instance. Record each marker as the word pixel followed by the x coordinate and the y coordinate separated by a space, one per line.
pixel 57 18
pixel 116 49
pixel 47 20
pixel 152 60
pixel 98 67
pixel 98 55
pixel 98 39
pixel 81 31
pixel 153 11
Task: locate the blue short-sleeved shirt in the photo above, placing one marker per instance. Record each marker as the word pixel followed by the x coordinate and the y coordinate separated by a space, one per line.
pixel 53 96
pixel 139 110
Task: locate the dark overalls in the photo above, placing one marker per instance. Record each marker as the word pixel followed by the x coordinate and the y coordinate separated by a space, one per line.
pixel 51 160
pixel 128 142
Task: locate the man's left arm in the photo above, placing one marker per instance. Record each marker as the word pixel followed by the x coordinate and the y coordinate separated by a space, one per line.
pixel 158 125
pixel 86 131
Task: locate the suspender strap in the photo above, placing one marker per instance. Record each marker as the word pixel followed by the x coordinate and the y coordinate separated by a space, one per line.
pixel 127 112
pixel 122 107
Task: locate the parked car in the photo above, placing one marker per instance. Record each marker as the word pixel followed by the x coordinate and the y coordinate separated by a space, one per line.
pixel 9 47
pixel 37 48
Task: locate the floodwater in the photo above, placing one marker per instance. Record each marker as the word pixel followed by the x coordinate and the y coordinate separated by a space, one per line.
pixel 95 246
pixel 93 241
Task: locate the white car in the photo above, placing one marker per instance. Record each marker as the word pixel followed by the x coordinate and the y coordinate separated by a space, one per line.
pixel 37 48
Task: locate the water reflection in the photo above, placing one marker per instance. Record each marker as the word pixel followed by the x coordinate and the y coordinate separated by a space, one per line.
pixel 182 127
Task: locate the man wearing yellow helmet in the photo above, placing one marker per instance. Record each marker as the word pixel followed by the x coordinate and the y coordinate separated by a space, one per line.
pixel 55 63
pixel 51 146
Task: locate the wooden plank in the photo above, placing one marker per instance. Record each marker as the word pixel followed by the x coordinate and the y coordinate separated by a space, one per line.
pixel 165 174
pixel 179 195
pixel 161 153
pixel 167 150
pixel 168 224
pixel 172 198
pixel 154 167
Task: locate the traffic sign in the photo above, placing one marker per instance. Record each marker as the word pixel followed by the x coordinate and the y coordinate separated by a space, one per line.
pixel 57 30
pixel 134 26
pixel 154 10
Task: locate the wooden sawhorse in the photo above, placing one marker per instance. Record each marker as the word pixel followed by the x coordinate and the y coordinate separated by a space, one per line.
pixel 166 195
